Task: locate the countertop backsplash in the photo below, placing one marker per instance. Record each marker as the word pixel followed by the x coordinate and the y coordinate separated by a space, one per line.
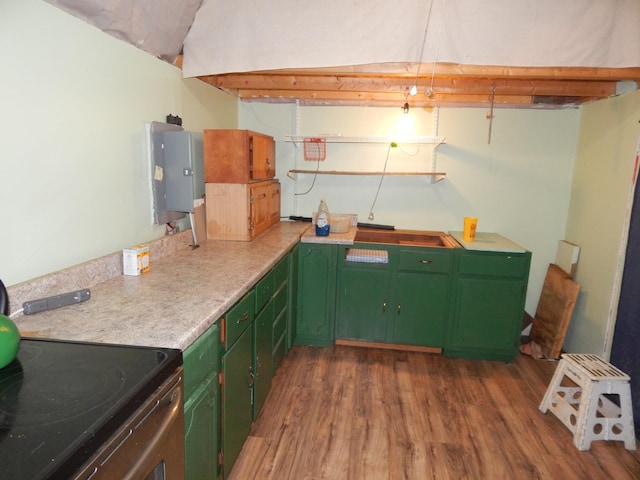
pixel 93 272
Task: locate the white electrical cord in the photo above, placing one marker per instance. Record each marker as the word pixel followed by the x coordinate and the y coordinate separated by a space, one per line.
pixel 384 170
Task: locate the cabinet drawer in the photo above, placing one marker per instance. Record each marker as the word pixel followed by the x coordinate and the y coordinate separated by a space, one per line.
pixel 200 358
pixel 425 261
pixel 279 326
pixel 238 318
pixel 494 264
pixel 280 300
pixel 281 272
pixel 264 290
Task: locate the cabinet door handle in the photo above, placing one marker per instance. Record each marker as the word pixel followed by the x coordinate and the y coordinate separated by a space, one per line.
pixel 251 378
pixel 384 305
pixel 424 262
pixel 243 318
pixel 398 310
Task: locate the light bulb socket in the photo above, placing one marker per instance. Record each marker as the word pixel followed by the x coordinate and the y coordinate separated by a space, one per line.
pixel 405 108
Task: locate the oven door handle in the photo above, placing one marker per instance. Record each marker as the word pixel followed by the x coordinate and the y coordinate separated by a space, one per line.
pixel 170 417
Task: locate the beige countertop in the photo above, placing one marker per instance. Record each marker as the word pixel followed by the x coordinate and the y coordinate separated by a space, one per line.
pixel 489 242
pixel 170 306
pixel 333 238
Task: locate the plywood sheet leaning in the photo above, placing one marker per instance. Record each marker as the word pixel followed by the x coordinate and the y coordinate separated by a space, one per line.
pixel 555 307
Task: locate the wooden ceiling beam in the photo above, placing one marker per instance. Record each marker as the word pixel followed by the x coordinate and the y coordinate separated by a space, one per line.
pixel 391 84
pixel 386 98
pixel 451 84
pixel 409 70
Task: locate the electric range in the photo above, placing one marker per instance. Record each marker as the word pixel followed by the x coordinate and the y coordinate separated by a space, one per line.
pixel 60 400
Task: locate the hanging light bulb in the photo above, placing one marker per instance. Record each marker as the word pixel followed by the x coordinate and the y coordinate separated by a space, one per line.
pixel 413 90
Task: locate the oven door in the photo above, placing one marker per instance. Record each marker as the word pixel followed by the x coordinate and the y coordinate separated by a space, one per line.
pixel 150 446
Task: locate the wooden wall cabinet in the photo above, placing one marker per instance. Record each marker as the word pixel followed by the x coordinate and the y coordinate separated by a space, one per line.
pixel 238 156
pixel 241 211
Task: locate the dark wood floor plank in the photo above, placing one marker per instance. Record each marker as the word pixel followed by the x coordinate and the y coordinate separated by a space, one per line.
pixel 349 413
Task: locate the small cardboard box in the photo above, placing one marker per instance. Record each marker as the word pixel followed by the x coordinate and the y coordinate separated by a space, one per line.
pixel 135 260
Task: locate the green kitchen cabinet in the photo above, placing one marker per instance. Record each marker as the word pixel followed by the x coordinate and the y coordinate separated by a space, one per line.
pixel 281 299
pixel 292 298
pixel 423 286
pixel 201 420
pixel 201 406
pixel 364 301
pixel 403 301
pixel 237 397
pixel 317 268
pixel 488 305
pixel 262 357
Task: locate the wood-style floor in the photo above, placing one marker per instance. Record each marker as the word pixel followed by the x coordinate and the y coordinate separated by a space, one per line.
pixel 349 413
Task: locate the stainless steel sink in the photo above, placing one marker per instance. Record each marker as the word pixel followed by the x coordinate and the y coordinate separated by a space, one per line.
pixel 406 237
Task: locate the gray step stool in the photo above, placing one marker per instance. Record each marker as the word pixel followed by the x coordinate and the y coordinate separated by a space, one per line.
pixel 582 406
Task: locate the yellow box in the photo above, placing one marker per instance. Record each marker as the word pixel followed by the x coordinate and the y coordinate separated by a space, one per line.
pixel 469 232
pixel 135 260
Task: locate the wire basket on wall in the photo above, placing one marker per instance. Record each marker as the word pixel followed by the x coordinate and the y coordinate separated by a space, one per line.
pixel 315 149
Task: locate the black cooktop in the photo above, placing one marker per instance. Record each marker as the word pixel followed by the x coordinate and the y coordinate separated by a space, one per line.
pixel 60 400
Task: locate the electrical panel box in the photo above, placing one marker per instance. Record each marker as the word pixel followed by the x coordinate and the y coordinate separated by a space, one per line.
pixel 177 170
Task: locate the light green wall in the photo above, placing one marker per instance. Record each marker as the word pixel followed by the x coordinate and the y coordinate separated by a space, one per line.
pixel 518 185
pixel 598 215
pixel 74 173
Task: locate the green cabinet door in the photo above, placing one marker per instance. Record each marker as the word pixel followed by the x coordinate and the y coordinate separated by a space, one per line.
pixel 292 297
pixel 489 313
pixel 317 264
pixel 363 302
pixel 237 397
pixel 262 358
pixel 422 296
pixel 201 417
pixel 488 305
pixel 201 406
pixel 420 312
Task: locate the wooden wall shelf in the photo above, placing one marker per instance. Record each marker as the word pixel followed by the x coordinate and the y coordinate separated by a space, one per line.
pixel 369 139
pixel 436 176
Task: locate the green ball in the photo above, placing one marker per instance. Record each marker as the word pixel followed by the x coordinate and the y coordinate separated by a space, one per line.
pixel 9 341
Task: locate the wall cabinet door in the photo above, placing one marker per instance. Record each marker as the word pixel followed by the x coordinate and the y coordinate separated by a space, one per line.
pixel 263 156
pixel 317 265
pixel 237 397
pixel 241 211
pixel 238 156
pixel 265 206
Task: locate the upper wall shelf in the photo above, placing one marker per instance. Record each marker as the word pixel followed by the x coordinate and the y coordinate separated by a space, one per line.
pixel 369 139
pixel 435 176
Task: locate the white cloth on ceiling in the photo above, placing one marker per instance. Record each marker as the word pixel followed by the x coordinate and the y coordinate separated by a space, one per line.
pixel 248 35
